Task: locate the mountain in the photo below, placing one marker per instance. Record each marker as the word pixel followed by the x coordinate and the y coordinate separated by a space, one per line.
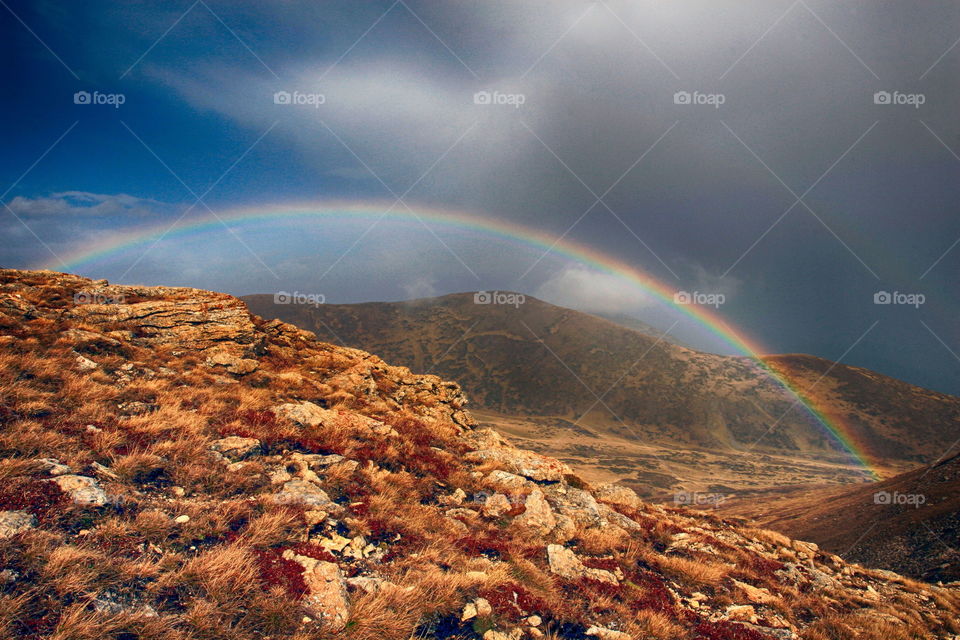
pixel 909 523
pixel 612 400
pixel 175 467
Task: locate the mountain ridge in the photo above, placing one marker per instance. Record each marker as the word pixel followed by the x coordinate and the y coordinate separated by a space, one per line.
pixel 659 390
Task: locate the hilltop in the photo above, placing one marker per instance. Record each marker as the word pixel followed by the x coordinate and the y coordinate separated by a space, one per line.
pixel 174 467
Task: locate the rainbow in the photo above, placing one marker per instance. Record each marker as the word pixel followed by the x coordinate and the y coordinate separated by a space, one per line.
pixel 833 424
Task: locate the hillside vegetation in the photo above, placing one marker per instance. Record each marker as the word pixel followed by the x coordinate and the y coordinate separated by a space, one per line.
pixel 175 468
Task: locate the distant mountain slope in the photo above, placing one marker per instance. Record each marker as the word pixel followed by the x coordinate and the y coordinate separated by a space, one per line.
pixel 540 359
pixel 909 523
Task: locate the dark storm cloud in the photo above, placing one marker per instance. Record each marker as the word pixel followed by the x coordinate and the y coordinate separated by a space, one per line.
pixel 799 156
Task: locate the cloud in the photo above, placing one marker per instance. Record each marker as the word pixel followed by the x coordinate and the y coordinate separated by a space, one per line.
pixel 423 287
pixel 593 291
pixel 84 203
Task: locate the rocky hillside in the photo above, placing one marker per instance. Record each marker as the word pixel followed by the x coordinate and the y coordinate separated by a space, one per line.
pixel 175 468
pixel 909 523
pixel 537 359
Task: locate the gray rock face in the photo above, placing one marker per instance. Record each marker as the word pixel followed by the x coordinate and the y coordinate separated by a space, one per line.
pixel 82 489
pixel 14 522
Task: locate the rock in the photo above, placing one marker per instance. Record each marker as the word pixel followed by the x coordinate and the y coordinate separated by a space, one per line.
pixel 14 522
pixel 306 414
pixel 499 478
pixel 575 503
pixel 534 621
pixel 369 584
pixel 232 364
pixel 742 612
pixel 496 505
pixel 618 495
pixel 618 519
pixel 299 492
pixel 101 470
pixel 607 634
pixel 110 603
pixel 236 448
pixel 525 463
pixel 326 598
pixel 53 466
pixel 85 364
pixel 756 595
pixel 565 563
pixel 469 612
pixel 182 519
pixel 186 318
pixel 565 530
pixel 82 489
pixel 483 607
pixel 538 514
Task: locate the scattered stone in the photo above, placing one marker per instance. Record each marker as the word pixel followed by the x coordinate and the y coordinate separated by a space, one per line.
pixel 14 522
pixel 618 495
pixel 232 364
pixel 82 489
pixel 756 595
pixel 607 634
pixel 236 447
pixel 496 505
pixel 525 463
pixel 300 492
pixel 182 519
pixel 53 466
pixel 327 598
pixel 178 491
pixel 566 564
pixel 538 514
pixel 306 414
pixel 86 364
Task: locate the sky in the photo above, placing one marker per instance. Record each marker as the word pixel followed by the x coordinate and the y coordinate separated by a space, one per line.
pixel 791 165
